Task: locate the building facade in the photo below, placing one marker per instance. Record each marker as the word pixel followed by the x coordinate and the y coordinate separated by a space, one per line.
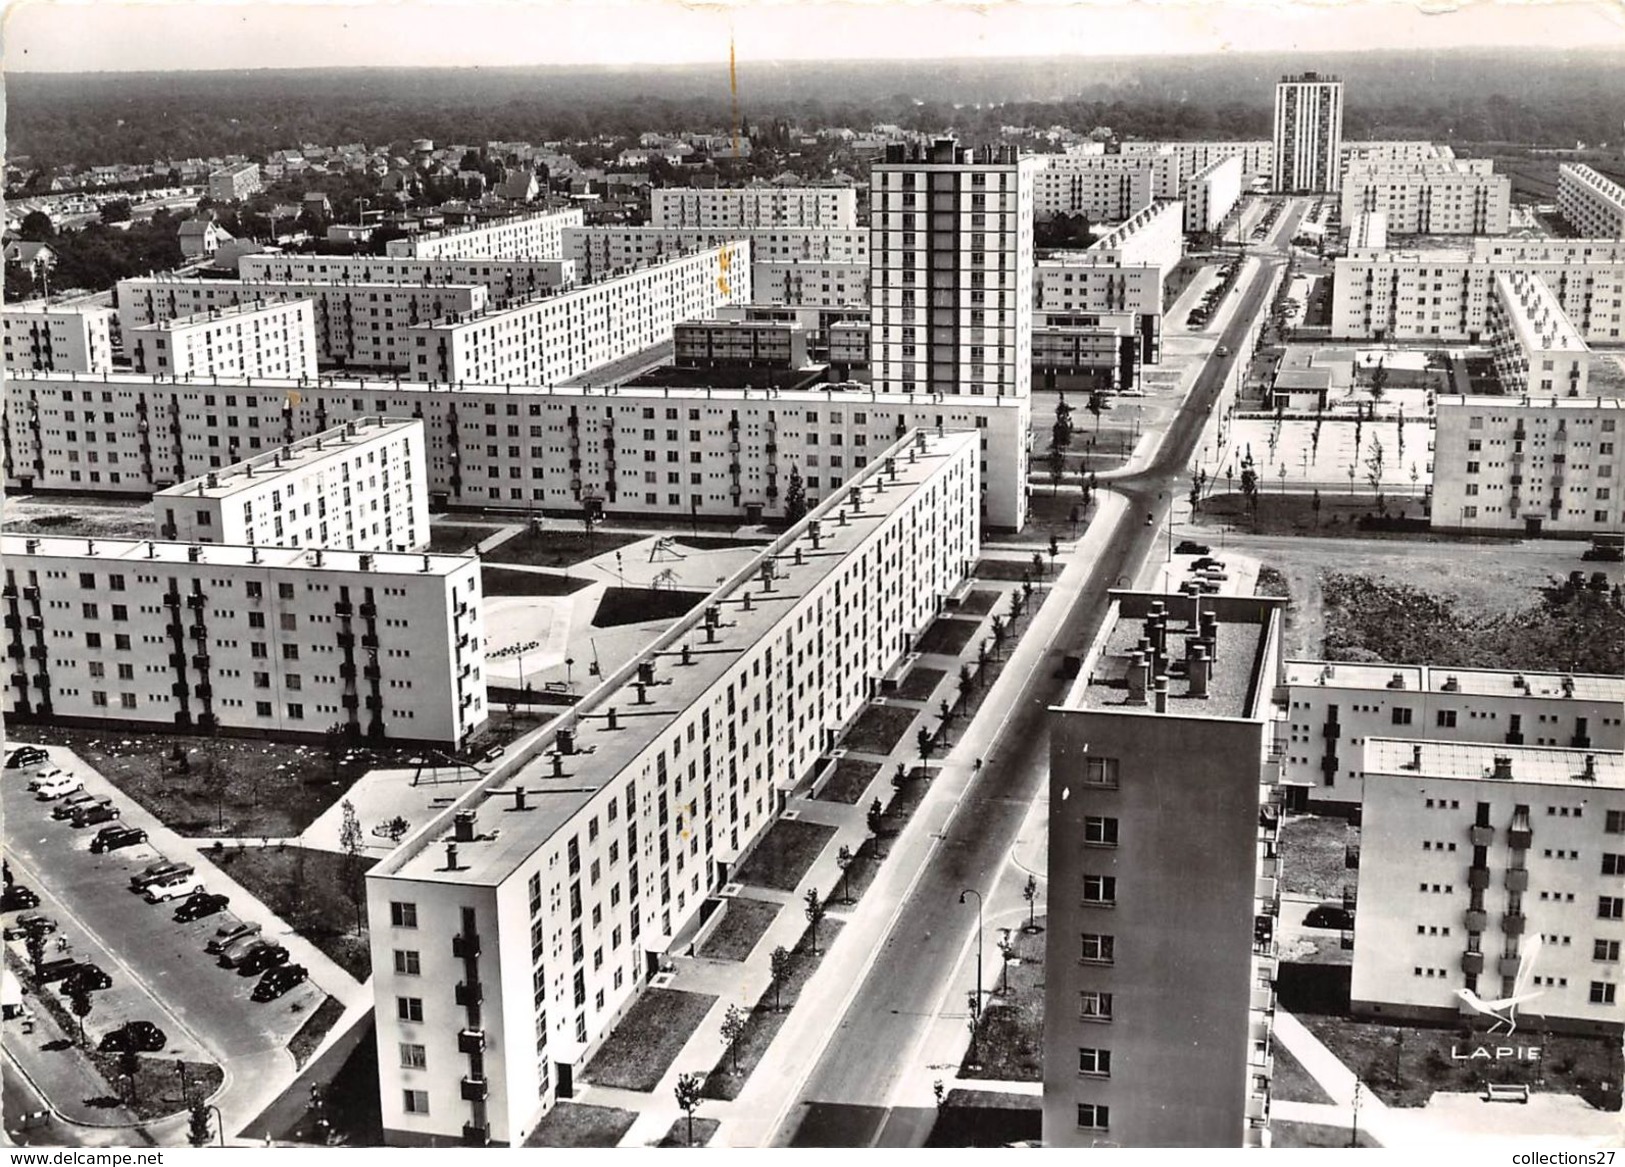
pixel 1257 156
pixel 1308 135
pixel 1430 198
pixel 1212 193
pixel 1592 203
pixel 264 338
pixel 1160 945
pixel 1536 348
pixel 602 251
pixel 505 280
pixel 713 208
pixel 47 339
pixel 234 183
pixel 812 285
pixel 530 236
pixel 255 640
pixel 1101 187
pixel 1492 870
pixel 512 934
pixel 1153 236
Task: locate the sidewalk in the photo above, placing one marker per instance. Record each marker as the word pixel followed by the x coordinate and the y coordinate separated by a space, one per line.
pixel 64 1077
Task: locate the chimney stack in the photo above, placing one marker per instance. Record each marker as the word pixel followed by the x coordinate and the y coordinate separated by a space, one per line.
pixel 611 718
pixel 451 856
pixel 558 765
pixel 1198 671
pixel 519 798
pixel 1162 692
pixel 1138 670
pixel 1503 766
pixel 462 826
pixel 1590 773
pixel 565 741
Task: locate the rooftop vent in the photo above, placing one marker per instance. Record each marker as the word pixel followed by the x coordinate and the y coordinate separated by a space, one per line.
pixel 451 857
pixel 1452 685
pixel 1503 766
pixel 462 826
pixel 1397 681
pixel 1589 774
pixel 566 741
pixel 519 798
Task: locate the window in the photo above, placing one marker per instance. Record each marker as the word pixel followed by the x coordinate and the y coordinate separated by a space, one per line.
pixel 413 1058
pixel 1093 1117
pixel 1100 772
pixel 1605 950
pixel 415 1101
pixel 1095 1061
pixel 1097 948
pixel 1614 822
pixel 403 915
pixel 1611 907
pixel 1447 718
pixel 1402 716
pixel 1602 992
pixel 406 963
pixel 409 1008
pixel 1094 1006
pixel 1100 889
pixel 1613 864
pixel 1099 832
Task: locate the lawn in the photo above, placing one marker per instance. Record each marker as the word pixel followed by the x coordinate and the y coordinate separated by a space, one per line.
pixel 315 1028
pixel 621 606
pixel 304 887
pixel 457 538
pixel 743 922
pixel 762 1023
pixel 704 1129
pixel 986 1118
pixel 879 728
pixel 1010 1037
pixel 920 683
pixel 1292 1082
pixel 783 856
pixel 1003 569
pixel 1284 1135
pixel 575 1124
pixel 496 581
pixel 1313 855
pixel 648 1039
pixel 242 787
pixel 850 780
pixel 1340 514
pixel 980 602
pixel 849 889
pixel 948 636
pixel 559 548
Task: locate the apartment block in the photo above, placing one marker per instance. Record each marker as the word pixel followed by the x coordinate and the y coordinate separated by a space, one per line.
pixel 1257 157
pixel 1479 863
pixel 1101 187
pixel 1592 203
pixel 505 280
pixel 1334 709
pixel 262 338
pixel 546 341
pixel 1096 281
pixel 232 183
pixel 1153 235
pixel 814 285
pixel 51 339
pixel 1161 958
pixel 778 344
pixel 1533 465
pixel 1308 135
pixel 1368 231
pixel 711 208
pixel 1394 151
pixel 511 934
pixel 1212 193
pixel 1430 198
pixel 601 251
pixel 533 236
pixel 643 450
pixel 1113 343
pixel 361 486
pixel 252 640
pixel 1536 348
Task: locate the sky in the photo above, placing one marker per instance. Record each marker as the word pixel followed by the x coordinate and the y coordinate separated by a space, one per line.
pixel 102 35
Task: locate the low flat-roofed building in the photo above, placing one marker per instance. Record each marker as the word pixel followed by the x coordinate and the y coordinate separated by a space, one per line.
pixel 48 338
pixel 360 486
pixel 262 338
pixel 1537 349
pixel 249 640
pixel 1489 872
pixel 767 343
pixel 1160 945
pixel 533 912
pixel 1369 231
pixel 232 183
pixel 1592 203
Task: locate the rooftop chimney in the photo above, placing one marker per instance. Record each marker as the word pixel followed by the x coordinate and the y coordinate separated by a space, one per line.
pixel 1139 670
pixel 194 554
pixel 565 741
pixel 519 798
pixel 1590 772
pixel 1503 766
pixel 646 672
pixel 1568 685
pixel 611 719
pixel 1451 685
pixel 462 826
pixel 1198 672
pixel 558 765
pixel 451 856
pixel 1416 758
pixel 688 654
pixel 1162 692
pixel 1397 681
pixel 31 546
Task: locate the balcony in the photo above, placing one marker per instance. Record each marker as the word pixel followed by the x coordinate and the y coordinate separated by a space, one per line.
pixel 198 632
pixel 1581 741
pixel 1507 966
pixel 37 651
pixel 372 672
pixel 369 611
pixel 13 623
pixel 177 660
pixel 31 594
pixel 42 679
pixel 343 608
pixel 1258 1107
pixel 204 692
pixel 469 994
pixel 200 661
pixel 1478 878
pixel 1262 999
pixel 1328 765
pixel 1331 731
pixel 1257 1137
pixel 1514 739
pixel 1513 923
pixel 1519 838
pixel 347 671
pixel 1475 919
pixel 1265 888
pixel 475 1089
pixel 476 1134
pixel 1480 836
pixel 172 599
pixel 178 689
pixel 15 651
pixel 471 1041
pixel 346 641
pixel 350 701
pixel 1472 963
pixel 466 946
pixel 1517 879
pixel 375 704
pixel 195 601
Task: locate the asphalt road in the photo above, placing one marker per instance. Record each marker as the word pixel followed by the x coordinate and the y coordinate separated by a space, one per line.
pixel 842 1101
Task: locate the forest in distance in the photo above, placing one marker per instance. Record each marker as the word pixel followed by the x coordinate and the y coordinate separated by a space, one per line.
pixel 1533 97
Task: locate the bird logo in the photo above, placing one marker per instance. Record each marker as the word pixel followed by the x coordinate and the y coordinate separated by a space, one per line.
pixel 1505 1009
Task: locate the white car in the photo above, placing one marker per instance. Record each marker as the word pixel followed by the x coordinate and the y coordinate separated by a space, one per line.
pixel 44 775
pixel 177 887
pixel 57 786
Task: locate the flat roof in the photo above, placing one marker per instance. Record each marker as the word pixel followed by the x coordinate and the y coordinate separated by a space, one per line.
pixel 277 464
pixel 507 837
pixel 226 312
pixel 1470 682
pixel 1529 402
pixel 1542 765
pixel 139 551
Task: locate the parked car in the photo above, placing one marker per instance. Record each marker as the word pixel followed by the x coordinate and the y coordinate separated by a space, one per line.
pixel 72 802
pixel 17 897
pixel 1224 350
pixel 141 1036
pixel 57 786
pixel 153 872
pixel 1207 561
pixel 233 954
pixel 89 975
pixel 56 970
pixel 99 812
pixel 1214 574
pixel 1329 916
pixel 30 924
pixel 173 888
pixel 45 776
pixel 278 981
pixel 1189 547
pixel 112 838
pixel 261 959
pixel 1199 587
pixel 199 905
pixel 230 933
pixel 27 757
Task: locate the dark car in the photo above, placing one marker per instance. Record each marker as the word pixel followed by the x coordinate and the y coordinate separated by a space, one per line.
pixel 199 905
pixel 100 812
pixel 258 960
pixel 1190 547
pixel 141 1036
pixel 112 838
pixel 230 933
pixel 278 981
pixel 1205 562
pixel 1329 916
pixel 90 976
pixel 17 897
pixel 30 924
pixel 153 872
pixel 25 757
pixel 77 801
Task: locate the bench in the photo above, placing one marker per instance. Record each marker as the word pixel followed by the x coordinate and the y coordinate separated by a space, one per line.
pixel 1505 1092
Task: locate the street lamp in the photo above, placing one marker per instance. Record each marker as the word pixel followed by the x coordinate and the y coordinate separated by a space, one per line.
pixel 973 892
pixel 219 1122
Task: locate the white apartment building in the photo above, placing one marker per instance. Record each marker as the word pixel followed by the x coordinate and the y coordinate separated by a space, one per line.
pixel 360 325
pixel 1535 465
pixel 533 236
pixel 58 339
pixel 804 284
pixel 602 251
pixel 505 280
pixel 1430 198
pixel 1308 135
pixel 253 640
pixel 1536 348
pixel 512 933
pixel 262 338
pixel 1101 187
pixel 235 182
pixel 1481 862
pixel 1154 236
pixel 642 450
pixel 1257 156
pixel 1093 281
pixel 1368 231
pixel 547 341
pixel 1446 294
pixel 711 208
pixel 361 486
pixel 1212 193
pixel 1334 709
pixel 1394 150
pixel 1592 203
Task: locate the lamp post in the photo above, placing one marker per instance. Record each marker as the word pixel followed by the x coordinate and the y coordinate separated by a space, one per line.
pixel 973 892
pixel 219 1122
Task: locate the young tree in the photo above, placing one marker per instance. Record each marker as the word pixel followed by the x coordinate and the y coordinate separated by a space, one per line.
pixel 876 817
pixel 198 1129
pixel 1029 892
pixel 1379 381
pixel 1038 564
pixel 78 993
pixel 843 860
pixel 688 1099
pixel 1249 485
pixel 1097 404
pixel 814 912
pixel 1057 466
pixel 1373 471
pixel 352 844
pixel 733 1028
pixel 215 783
pixel 1314 505
pixel 778 967
pixel 923 740
pixel 129 1065
pixel 795 497
pixel 35 943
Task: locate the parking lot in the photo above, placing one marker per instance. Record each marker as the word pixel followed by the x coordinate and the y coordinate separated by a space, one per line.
pixel 159 969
